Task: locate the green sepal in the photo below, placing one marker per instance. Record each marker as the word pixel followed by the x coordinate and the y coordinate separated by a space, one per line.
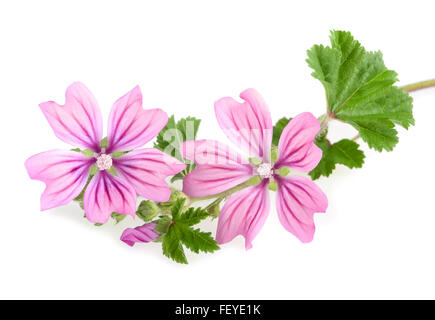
pixel 214 209
pixel 112 171
pixel 273 186
pixel 254 181
pixel 104 142
pixel 274 154
pixel 93 170
pixel 118 154
pixel 284 171
pixel 118 217
pixel 88 153
pixel 255 161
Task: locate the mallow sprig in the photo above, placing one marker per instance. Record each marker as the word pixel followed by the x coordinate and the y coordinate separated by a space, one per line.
pixel 106 175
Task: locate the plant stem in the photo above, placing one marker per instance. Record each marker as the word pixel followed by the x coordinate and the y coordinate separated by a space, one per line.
pixel 356 137
pixel 419 85
pixel 324 123
pixel 223 194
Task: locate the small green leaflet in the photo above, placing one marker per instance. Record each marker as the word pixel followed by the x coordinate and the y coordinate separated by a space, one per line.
pixel 360 90
pixel 172 247
pixel 278 128
pixel 180 232
pixel 343 152
pixel 173 135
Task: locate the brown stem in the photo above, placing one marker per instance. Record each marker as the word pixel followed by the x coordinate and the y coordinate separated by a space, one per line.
pixel 419 85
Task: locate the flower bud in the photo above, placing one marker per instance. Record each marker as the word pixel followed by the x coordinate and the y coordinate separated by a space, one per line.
pixel 145 233
pixel 147 210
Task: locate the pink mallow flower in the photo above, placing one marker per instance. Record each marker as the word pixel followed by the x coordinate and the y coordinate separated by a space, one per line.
pixel 144 233
pixel 79 123
pixel 218 168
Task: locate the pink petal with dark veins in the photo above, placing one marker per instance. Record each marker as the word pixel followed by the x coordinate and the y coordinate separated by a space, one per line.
pixel 107 193
pixel 146 171
pixel 218 168
pixel 244 214
pixel 296 146
pixel 247 124
pixel 298 198
pixel 78 122
pixel 130 126
pixel 64 173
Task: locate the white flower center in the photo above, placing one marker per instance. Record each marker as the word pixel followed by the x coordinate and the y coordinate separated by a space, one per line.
pixel 104 161
pixel 265 170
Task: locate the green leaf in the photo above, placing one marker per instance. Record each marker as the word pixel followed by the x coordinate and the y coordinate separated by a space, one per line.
pixel 360 90
pixel 188 127
pixel 346 152
pixel 172 248
pixel 195 240
pixel 180 176
pixel 278 128
pixel 325 165
pixel 178 231
pixel 343 152
pixel 175 133
pixel 192 216
pixel 167 136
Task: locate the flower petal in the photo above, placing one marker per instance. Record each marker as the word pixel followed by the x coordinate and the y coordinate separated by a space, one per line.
pixel 298 198
pixel 296 146
pixel 107 193
pixel 64 173
pixel 244 214
pixel 247 124
pixel 78 122
pixel 130 126
pixel 218 168
pixel 146 171
pixel 144 233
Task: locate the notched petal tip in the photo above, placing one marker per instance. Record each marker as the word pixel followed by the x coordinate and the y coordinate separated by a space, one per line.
pixel 244 214
pixel 130 126
pixel 78 122
pixel 107 193
pixel 296 147
pixel 297 201
pixel 64 174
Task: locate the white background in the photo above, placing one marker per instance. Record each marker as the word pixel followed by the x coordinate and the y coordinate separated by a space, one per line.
pixel 377 238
